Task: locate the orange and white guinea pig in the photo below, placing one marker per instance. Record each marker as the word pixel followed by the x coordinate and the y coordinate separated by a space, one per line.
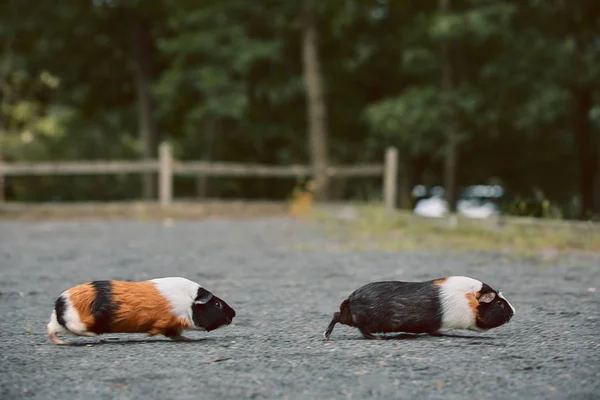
pixel 164 306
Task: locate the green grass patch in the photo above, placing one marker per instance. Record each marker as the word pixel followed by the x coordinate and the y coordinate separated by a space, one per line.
pixel 372 227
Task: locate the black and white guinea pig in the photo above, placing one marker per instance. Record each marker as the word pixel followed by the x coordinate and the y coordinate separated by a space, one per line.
pixel 164 306
pixel 455 302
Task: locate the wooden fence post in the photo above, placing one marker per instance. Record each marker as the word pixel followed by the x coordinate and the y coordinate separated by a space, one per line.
pixel 165 174
pixel 390 174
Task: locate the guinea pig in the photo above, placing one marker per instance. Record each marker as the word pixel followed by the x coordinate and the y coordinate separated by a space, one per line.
pixel 455 302
pixel 164 306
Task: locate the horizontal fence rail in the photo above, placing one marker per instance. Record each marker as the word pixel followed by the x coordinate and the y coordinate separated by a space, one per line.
pixel 257 170
pixel 78 168
pixel 235 169
pixel 356 170
pixel 167 167
pixel 181 168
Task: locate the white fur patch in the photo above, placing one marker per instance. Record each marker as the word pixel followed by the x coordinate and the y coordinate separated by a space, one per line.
pixel 507 302
pixel 180 292
pixel 53 326
pixel 72 319
pixel 456 311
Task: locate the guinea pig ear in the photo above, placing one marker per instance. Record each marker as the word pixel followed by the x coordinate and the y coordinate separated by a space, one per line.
pixel 203 296
pixel 487 297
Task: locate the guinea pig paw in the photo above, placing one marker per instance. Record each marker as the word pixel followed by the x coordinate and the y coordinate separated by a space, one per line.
pixel 57 341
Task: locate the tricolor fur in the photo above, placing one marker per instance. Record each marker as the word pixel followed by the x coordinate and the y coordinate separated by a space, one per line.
pixel 456 302
pixel 164 306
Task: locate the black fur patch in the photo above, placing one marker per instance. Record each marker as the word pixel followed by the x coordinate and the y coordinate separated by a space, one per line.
pixel 213 314
pixel 392 306
pixel 171 333
pixel 103 307
pixel 60 306
pixel 493 314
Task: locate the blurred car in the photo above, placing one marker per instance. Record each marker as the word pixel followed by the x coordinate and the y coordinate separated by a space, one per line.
pixel 477 201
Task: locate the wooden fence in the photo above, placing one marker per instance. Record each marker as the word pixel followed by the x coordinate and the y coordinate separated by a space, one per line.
pixel 166 167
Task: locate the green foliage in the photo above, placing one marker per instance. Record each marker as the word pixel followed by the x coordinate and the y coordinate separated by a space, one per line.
pixel 532 207
pixel 200 42
pixel 373 228
pixel 227 84
pixel 30 125
pixel 411 120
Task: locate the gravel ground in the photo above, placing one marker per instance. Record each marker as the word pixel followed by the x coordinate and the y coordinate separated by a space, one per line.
pixel 285 281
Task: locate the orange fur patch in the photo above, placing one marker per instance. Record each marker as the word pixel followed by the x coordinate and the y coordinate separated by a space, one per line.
pixel 141 308
pixel 82 297
pixel 440 282
pixel 473 303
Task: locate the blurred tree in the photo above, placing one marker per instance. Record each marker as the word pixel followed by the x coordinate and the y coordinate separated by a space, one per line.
pixel 76 73
pixel 143 19
pixel 449 119
pixel 316 109
pixel 441 101
pixel 28 118
pixel 561 61
pixel 204 92
pixel 142 53
pixel 229 83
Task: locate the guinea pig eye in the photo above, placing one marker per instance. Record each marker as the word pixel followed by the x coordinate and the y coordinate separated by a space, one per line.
pixel 499 302
pixel 218 304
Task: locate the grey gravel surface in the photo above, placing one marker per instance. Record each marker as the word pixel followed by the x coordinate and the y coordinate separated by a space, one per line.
pixel 285 280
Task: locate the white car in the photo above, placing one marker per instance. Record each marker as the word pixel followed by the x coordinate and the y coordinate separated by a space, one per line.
pixel 475 204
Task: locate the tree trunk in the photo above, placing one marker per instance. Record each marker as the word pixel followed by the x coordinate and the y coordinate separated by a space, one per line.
pixel 337 188
pixel 316 111
pixel 597 184
pixel 405 181
pixel 141 45
pixel 451 156
pixel 582 130
pixel 450 169
pixel 2 191
pixel 5 69
pixel 202 181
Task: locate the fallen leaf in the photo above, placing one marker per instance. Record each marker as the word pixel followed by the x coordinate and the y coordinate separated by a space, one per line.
pixel 439 384
pixel 362 372
pixel 381 363
pixel 118 386
pixel 552 389
pixel 27 330
pixel 398 347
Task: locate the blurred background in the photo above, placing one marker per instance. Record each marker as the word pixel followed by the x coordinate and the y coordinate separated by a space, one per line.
pixel 493 105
